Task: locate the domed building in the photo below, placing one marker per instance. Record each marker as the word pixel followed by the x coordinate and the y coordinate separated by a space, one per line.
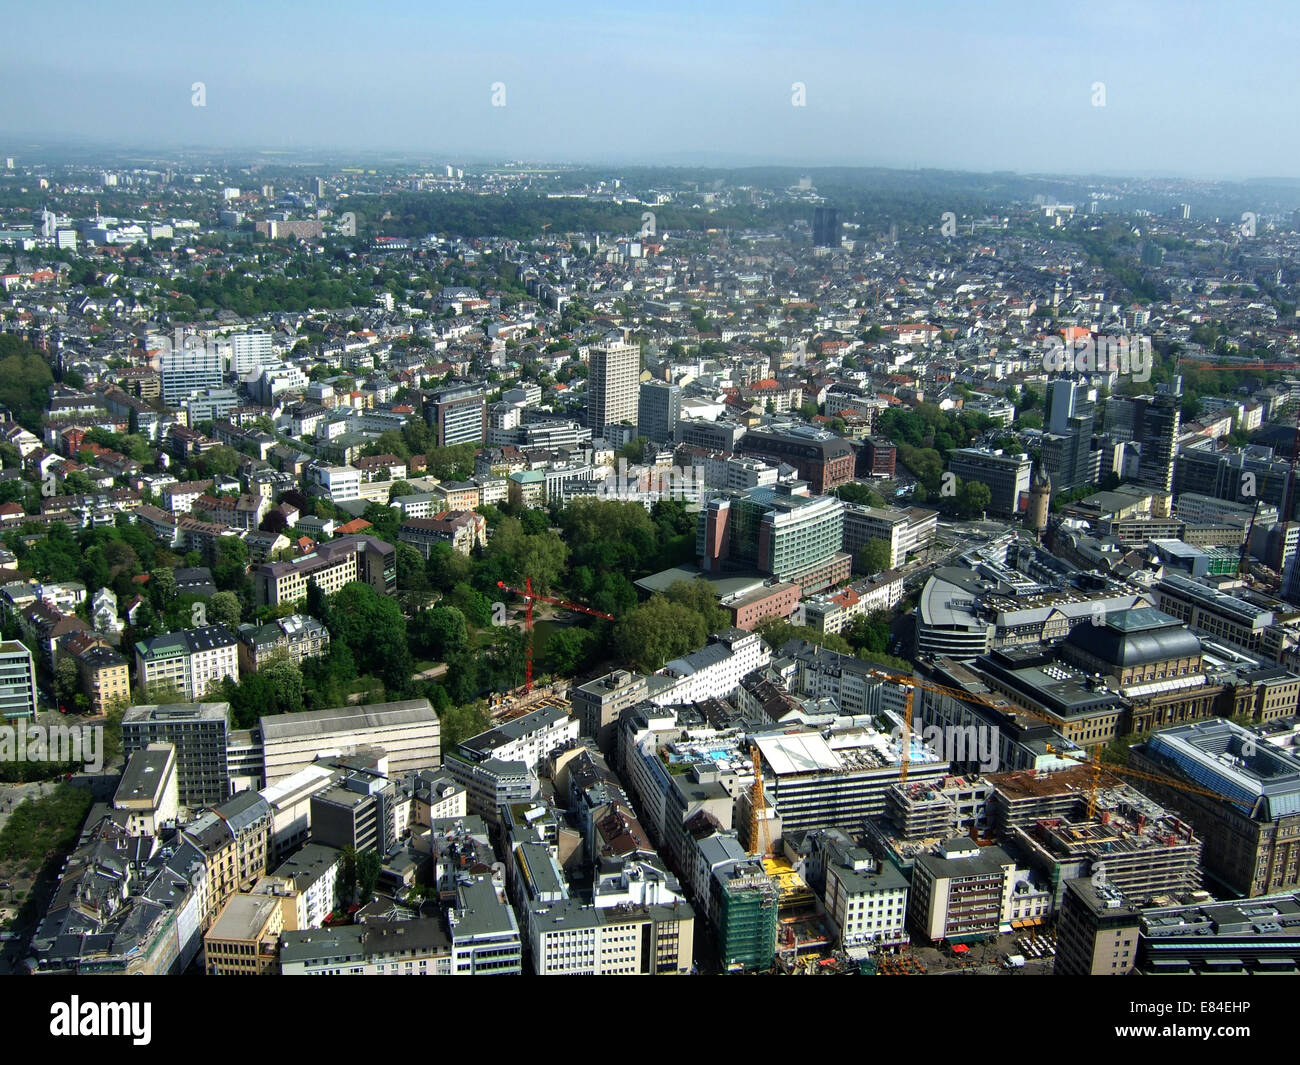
pixel 1134 647
pixel 1151 659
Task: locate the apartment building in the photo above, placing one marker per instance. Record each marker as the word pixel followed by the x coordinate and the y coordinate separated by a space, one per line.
pixel 865 898
pixel 462 529
pixel 191 662
pixel 299 636
pixel 311 873
pixel 376 948
pixel 179 498
pixel 612 385
pixel 149 791
pixel 330 567
pixel 597 704
pixel 528 739
pixel 243 512
pixel 712 672
pixel 485 939
pixel 234 838
pixel 569 938
pixel 105 677
pixel 338 484
pixel 244 938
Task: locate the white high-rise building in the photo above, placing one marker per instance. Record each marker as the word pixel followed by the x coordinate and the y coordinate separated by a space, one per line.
pixel 250 351
pixel 612 385
pixel 189 368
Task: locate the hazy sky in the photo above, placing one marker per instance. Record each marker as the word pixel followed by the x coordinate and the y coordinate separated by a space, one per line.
pixel 1195 89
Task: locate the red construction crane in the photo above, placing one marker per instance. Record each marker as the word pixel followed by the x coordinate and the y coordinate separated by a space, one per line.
pixel 529 597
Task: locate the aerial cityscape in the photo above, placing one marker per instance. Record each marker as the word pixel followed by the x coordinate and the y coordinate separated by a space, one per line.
pixel 444 559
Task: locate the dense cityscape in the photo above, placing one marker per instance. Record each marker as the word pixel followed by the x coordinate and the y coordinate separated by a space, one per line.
pixel 536 569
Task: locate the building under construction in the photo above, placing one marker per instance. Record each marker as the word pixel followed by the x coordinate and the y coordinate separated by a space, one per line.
pixel 938 809
pixel 922 813
pixel 1136 847
pixel 801 927
pixel 1022 798
pixel 745 900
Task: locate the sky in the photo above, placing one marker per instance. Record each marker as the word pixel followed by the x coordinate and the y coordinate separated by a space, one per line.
pixel 1190 89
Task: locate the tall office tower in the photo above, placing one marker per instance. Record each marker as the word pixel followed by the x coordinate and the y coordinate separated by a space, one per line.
pixel 612 375
pixel 1185 210
pixel 190 369
pixel 1063 400
pixel 1067 443
pixel 658 410
pixel 1123 417
pixel 1160 423
pixel 457 414
pixel 250 351
pixel 826 228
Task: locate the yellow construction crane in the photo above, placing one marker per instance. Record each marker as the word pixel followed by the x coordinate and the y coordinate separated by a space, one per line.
pixel 1094 780
pixel 912 684
pixel 1093 762
pixel 757 807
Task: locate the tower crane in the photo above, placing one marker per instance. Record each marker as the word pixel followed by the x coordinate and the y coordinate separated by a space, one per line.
pixel 757 807
pixel 1094 763
pixel 530 597
pixel 911 684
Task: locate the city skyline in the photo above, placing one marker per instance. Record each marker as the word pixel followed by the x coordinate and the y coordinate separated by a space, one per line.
pixel 955 88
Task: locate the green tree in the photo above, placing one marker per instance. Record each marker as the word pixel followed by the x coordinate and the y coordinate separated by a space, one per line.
pixel 873 556
pixel 219 461
pixel 372 627
pixel 224 609
pixel 657 631
pixel 369 866
pixel 67 681
pixel 440 632
pixel 973 498
pixel 568 649
pixel 541 557
pixel 284 675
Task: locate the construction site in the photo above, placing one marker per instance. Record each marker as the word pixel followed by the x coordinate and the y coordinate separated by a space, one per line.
pixel 505 706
